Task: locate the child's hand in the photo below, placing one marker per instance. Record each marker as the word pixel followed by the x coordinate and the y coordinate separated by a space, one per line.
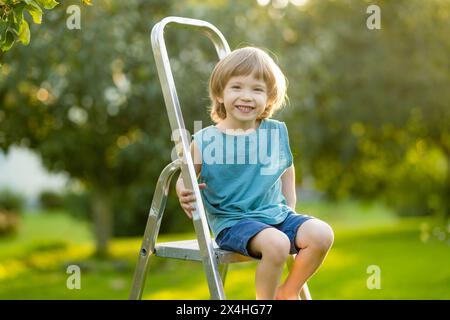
pixel 187 197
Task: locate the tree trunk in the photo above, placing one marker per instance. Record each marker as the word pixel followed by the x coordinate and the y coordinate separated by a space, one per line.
pixel 103 222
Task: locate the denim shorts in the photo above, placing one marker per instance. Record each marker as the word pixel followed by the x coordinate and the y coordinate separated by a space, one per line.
pixel 237 237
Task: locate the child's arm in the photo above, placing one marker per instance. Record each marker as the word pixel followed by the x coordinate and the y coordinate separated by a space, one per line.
pixel 288 187
pixel 186 196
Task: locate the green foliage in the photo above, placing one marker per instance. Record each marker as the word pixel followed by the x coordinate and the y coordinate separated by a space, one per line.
pixel 13 25
pixel 51 200
pixel 368 114
pixel 11 204
pixel 9 223
pixel 78 204
pixel 11 201
pixel 108 135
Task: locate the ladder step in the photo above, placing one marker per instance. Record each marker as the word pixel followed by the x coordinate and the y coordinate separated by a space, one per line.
pixel 189 250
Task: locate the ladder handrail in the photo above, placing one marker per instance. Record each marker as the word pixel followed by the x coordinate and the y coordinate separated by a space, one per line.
pixel 182 140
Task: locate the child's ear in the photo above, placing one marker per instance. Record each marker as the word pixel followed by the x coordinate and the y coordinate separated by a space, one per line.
pixel 219 99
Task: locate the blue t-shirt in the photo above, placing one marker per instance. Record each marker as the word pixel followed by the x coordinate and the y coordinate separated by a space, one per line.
pixel 242 174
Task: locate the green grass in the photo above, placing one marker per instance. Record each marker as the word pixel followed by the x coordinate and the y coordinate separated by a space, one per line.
pixel 44 229
pixel 413 266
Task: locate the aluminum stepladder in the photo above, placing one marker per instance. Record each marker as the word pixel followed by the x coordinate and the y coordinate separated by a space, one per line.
pixel 204 249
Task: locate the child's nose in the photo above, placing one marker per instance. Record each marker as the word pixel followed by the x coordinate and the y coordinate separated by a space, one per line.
pixel 246 96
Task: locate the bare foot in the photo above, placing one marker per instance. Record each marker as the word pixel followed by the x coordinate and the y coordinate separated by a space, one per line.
pixel 281 294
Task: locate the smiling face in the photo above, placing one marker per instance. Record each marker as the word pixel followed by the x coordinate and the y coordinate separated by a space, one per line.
pixel 245 99
pixel 234 82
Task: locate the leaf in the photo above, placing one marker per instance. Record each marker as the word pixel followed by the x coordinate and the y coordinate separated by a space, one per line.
pixel 35 12
pixel 9 41
pixel 48 4
pixel 87 2
pixel 3 28
pixel 14 20
pixel 24 32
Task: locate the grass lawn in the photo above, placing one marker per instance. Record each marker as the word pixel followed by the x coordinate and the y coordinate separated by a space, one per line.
pixel 413 264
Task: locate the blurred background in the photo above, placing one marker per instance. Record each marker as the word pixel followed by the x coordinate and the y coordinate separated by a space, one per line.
pixel 84 136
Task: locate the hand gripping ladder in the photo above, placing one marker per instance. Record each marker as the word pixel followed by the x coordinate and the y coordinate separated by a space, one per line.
pixel 204 249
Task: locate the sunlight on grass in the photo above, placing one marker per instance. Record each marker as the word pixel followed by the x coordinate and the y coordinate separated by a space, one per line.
pixel 240 281
pixel 121 248
pixel 11 269
pixel 353 286
pixel 34 267
pixel 44 260
pixel 348 214
pixel 337 259
pixel 242 276
pixel 49 260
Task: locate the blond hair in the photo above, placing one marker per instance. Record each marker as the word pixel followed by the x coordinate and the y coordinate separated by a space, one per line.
pixel 243 62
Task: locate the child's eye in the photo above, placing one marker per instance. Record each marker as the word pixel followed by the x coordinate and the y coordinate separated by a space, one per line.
pixel 259 89
pixel 235 87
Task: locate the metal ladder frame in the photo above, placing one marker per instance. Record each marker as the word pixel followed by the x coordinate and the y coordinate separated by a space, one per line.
pixel 204 249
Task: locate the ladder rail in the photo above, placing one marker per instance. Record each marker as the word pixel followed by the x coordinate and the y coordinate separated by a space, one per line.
pixel 182 140
pixel 152 228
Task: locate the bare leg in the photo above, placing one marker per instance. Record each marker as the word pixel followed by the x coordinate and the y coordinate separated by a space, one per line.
pixel 314 238
pixel 274 247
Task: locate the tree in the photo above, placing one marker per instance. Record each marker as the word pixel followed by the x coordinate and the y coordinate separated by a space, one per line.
pixel 372 105
pixel 69 97
pixel 89 101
